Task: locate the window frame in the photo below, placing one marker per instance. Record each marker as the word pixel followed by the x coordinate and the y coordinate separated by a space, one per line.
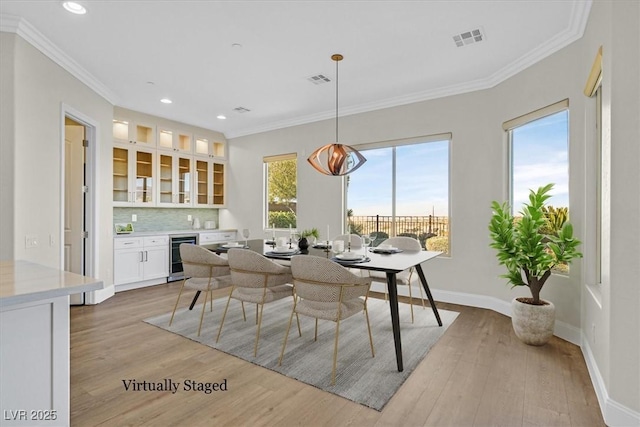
pixel 265 186
pixel 394 143
pixel 525 119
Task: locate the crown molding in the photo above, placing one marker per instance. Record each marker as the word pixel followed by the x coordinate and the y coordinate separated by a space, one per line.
pixel 579 17
pixel 21 27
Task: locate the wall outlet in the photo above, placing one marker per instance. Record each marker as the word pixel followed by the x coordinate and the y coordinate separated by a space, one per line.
pixel 31 241
pixel 134 218
pixel 189 218
pixel 52 241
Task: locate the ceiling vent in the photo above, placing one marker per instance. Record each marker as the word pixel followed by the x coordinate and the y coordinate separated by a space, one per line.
pixel 468 37
pixel 241 110
pixel 319 79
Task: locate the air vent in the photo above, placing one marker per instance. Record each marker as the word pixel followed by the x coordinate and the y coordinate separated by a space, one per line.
pixel 241 110
pixel 468 37
pixel 319 79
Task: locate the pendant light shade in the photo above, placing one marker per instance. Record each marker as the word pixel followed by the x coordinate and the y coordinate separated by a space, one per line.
pixel 336 159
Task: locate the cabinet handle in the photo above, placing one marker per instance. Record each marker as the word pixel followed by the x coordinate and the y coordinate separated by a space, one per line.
pixel 146 256
pixel 141 256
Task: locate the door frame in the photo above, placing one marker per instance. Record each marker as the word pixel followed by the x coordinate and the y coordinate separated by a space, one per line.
pixel 91 266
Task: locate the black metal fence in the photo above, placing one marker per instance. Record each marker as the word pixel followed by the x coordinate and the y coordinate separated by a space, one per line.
pixel 418 227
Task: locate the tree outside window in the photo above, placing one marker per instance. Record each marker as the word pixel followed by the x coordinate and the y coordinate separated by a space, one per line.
pixel 281 191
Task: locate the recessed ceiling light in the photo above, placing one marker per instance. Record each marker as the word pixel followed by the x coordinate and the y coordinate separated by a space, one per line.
pixel 166 101
pixel 74 7
pixel 222 117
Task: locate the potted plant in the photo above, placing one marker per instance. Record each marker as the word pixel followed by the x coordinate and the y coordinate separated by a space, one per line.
pixel 303 243
pixel 529 254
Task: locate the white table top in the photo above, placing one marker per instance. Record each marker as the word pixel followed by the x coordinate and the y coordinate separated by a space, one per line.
pixel 24 281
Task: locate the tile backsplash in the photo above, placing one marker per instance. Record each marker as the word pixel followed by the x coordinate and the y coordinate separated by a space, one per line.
pixel 164 219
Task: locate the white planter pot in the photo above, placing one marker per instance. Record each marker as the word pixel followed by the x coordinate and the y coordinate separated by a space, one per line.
pixel 533 324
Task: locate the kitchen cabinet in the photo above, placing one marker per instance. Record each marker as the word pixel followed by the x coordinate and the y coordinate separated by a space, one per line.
pixel 140 259
pixel 133 176
pixel 175 175
pixel 205 147
pixel 130 132
pixel 210 177
pixel 172 140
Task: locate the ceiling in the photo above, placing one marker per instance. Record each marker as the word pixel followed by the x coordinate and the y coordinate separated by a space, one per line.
pixel 211 57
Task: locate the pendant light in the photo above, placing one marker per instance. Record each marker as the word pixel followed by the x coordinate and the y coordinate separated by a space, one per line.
pixel 336 159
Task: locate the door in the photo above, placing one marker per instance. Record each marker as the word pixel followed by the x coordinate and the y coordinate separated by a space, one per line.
pixel 74 201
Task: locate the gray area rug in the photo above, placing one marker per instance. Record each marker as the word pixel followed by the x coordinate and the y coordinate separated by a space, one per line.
pixel 370 381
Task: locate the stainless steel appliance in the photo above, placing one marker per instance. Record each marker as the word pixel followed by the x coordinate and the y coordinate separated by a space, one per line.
pixel 176 272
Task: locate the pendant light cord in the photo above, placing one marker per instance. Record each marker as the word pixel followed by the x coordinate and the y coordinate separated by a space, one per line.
pixel 337 61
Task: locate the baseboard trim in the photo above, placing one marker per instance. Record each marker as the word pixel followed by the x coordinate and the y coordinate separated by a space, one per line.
pixel 614 413
pixel 100 295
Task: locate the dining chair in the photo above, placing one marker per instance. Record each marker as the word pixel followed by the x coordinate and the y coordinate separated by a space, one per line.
pixel 258 280
pixel 203 271
pixel 403 243
pixel 323 289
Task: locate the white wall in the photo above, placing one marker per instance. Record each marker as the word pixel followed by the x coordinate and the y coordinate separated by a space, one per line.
pixel 478 161
pixel 41 88
pixel 7 136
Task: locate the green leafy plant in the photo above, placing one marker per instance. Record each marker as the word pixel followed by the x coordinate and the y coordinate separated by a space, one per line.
pixel 528 253
pixel 312 232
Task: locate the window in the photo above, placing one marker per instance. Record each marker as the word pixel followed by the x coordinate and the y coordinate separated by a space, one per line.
pixel 539 155
pixel 402 190
pixel 280 174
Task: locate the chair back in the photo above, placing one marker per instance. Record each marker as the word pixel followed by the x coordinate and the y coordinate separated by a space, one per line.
pixel 356 241
pixel 250 269
pixel 404 243
pixel 200 262
pixel 320 279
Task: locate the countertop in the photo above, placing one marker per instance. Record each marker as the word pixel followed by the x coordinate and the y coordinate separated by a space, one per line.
pixel 165 233
pixel 24 281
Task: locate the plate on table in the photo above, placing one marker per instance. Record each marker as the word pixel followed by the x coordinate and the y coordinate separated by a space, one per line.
pixel 283 252
pixel 386 250
pixel 349 261
pixel 321 246
pixel 345 257
pixel 232 246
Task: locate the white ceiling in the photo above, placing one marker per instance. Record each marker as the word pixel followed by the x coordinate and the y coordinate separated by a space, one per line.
pixel 396 52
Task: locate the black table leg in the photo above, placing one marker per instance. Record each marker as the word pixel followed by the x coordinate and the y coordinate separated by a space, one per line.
pixel 428 291
pixel 195 298
pixel 395 317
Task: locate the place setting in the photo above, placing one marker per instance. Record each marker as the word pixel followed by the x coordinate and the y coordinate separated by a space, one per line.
pixel 385 249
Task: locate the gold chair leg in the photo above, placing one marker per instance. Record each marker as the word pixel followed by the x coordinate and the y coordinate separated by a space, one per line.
pixel 257 313
pixel 255 347
pixel 421 295
pixel 286 335
pixel 211 300
pixel 224 315
pixel 204 305
pixel 315 337
pixel 244 315
pixel 366 313
pixel 335 353
pixel 177 301
pixel 299 330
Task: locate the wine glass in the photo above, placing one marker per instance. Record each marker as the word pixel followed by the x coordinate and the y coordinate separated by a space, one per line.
pixel 245 234
pixel 337 247
pixel 366 241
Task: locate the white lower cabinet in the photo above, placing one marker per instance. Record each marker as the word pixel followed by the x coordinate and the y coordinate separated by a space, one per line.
pixel 140 259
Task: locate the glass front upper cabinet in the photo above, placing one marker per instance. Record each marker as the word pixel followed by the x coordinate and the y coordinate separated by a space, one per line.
pixel 128 132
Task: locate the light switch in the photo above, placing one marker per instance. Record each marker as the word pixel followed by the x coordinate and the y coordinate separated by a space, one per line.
pixel 134 218
pixel 31 241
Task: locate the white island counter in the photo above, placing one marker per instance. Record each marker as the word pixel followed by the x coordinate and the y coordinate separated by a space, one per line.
pixel 34 342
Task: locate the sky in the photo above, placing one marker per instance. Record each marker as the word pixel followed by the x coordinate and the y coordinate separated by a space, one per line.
pixel 540 156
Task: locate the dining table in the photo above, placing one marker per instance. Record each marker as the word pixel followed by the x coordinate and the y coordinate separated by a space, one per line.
pixel 389 261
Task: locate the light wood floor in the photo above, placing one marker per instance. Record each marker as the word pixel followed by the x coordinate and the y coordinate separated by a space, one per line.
pixel 478 374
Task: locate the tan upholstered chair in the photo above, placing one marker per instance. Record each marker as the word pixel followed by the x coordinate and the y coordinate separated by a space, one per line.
pixel 326 290
pixel 256 279
pixel 406 244
pixel 203 271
